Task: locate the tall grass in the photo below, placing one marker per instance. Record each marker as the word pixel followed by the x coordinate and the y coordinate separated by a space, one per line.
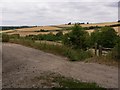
pixel 73 55
pixel 5 37
pixel 115 53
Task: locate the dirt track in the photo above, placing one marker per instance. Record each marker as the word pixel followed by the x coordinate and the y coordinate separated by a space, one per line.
pixel 21 64
pixel 0 65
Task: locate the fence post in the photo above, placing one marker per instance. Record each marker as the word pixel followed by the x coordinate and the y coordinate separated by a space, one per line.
pixel 95 49
pixel 33 39
pixel 100 50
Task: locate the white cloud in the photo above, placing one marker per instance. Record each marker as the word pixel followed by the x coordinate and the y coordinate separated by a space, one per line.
pixel 59 0
pixel 45 13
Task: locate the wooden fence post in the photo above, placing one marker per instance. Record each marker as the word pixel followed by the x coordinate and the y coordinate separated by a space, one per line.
pixel 33 39
pixel 95 49
pixel 100 50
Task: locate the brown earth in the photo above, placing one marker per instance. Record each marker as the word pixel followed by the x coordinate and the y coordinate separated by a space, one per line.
pixel 0 65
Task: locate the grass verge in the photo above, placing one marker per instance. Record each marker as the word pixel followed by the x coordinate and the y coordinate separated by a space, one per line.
pixel 103 60
pixel 71 83
pixel 73 55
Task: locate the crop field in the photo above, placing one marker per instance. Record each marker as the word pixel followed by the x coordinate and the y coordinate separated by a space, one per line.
pixel 54 29
pixel 93 24
pixel 24 33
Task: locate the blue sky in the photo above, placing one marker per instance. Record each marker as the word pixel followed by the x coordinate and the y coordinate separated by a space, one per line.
pixel 50 12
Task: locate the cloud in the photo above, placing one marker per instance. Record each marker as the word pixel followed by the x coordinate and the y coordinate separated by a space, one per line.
pixel 47 13
pixel 59 0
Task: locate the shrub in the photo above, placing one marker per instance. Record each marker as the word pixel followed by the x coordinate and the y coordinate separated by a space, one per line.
pixel 5 37
pixel 59 34
pixel 47 37
pixel 14 36
pixel 41 30
pixel 77 55
pixel 116 51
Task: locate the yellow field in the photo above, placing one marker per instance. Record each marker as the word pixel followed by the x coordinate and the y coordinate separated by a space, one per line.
pixel 27 33
pixel 31 31
pixel 23 33
pixel 38 28
pixel 99 24
pixel 7 31
pixel 93 24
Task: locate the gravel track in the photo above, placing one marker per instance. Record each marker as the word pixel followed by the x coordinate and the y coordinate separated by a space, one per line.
pixel 21 64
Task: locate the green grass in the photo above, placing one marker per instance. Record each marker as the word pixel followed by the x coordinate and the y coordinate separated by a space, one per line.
pixel 73 55
pixel 71 83
pixel 63 83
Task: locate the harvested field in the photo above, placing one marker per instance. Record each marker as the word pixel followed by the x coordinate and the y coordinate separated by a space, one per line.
pixel 28 33
pixel 33 30
pixel 7 31
pixel 34 33
pixel 39 28
pixel 93 24
pixel 99 24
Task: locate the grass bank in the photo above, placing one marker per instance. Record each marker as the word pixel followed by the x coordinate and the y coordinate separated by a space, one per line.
pixel 73 55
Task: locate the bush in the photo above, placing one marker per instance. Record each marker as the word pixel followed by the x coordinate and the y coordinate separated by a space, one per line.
pixel 47 37
pixel 116 51
pixel 59 34
pixel 14 36
pixel 77 55
pixel 5 37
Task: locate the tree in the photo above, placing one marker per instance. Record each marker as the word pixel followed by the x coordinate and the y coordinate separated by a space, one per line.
pixel 76 38
pixel 106 37
pixel 69 23
pixel 118 20
pixel 87 22
pixel 95 38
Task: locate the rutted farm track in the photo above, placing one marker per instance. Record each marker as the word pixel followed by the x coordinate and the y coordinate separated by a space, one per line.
pixel 21 64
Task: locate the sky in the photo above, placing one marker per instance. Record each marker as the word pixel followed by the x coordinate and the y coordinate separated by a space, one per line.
pixel 52 12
